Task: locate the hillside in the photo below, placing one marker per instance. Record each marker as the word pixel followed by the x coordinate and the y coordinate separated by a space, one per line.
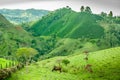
pixel 104 64
pixel 68 46
pixel 12 37
pixel 67 23
pixel 18 16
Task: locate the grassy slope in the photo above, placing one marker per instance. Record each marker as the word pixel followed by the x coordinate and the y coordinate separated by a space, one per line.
pixel 11 35
pixel 105 65
pixel 67 23
pixel 69 46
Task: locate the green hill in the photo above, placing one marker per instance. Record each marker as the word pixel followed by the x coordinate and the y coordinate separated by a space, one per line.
pixel 67 23
pixel 12 37
pixel 18 16
pixel 68 46
pixel 104 63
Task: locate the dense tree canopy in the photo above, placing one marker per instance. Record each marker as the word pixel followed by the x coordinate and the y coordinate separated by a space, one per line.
pixel 24 54
pixel 88 9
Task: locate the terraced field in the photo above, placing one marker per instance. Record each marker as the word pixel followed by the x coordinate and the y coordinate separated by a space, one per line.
pixel 105 65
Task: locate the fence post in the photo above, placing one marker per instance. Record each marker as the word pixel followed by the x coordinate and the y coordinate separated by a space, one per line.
pixel 10 64
pixel 6 65
pixel 13 63
pixel 0 66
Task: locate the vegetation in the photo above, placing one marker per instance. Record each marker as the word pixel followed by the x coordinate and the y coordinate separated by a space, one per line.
pixel 18 16
pixel 65 61
pixel 5 63
pixel 68 45
pixel 70 24
pixel 104 63
pixel 25 54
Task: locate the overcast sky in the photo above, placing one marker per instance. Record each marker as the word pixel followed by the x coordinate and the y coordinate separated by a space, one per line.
pixel 97 6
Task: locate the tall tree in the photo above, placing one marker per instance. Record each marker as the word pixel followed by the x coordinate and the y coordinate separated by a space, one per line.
pixel 110 14
pixel 87 9
pixel 82 8
pixel 103 14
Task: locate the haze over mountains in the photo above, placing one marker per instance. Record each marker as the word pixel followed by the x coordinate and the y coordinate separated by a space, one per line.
pixel 18 16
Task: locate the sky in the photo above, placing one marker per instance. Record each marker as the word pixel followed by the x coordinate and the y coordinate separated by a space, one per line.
pixel 97 6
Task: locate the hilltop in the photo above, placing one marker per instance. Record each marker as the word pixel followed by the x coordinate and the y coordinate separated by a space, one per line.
pixel 65 22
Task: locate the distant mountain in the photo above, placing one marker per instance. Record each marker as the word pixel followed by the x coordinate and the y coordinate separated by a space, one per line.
pixel 67 23
pixel 18 16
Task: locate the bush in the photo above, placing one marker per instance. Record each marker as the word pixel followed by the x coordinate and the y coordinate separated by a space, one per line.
pixel 65 61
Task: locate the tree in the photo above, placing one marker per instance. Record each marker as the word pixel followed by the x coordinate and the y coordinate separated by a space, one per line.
pixel 111 37
pixel 68 7
pixel 103 14
pixel 25 54
pixel 82 8
pixel 88 10
pixel 110 14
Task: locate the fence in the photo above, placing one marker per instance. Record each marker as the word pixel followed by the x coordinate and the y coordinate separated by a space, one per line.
pixel 7 64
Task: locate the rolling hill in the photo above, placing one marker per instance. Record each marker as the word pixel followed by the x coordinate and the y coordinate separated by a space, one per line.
pixel 105 66
pixel 12 37
pixel 66 23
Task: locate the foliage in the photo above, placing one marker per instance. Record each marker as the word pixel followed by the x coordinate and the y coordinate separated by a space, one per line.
pixel 88 10
pixel 3 63
pixel 18 16
pixel 103 14
pixel 82 8
pixel 110 14
pixel 67 23
pixel 24 54
pixel 65 61
pixel 104 63
pixel 111 37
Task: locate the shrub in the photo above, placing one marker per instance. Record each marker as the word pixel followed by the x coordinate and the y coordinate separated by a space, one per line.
pixel 65 61
pixel 25 54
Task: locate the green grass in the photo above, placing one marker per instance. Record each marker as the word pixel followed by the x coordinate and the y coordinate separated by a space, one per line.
pixel 105 66
pixel 69 46
pixel 12 37
pixel 3 62
pixel 67 23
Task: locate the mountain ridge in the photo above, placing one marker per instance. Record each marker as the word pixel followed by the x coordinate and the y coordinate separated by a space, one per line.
pixel 19 16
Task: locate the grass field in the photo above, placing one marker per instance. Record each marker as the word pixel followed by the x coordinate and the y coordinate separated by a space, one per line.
pixel 105 66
